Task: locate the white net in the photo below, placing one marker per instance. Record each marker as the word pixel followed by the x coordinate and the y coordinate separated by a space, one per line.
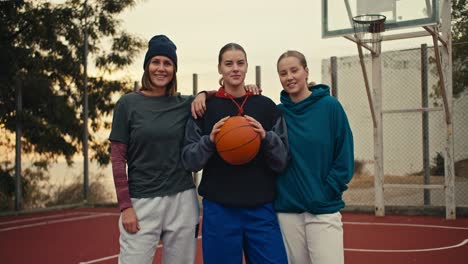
pixel 368 28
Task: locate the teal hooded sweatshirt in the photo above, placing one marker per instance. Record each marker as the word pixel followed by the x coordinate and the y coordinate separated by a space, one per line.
pixel 322 158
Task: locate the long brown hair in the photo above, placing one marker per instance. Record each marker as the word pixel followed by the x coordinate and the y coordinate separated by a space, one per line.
pixel 229 46
pixel 146 83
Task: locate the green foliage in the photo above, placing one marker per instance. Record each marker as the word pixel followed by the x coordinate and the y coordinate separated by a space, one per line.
pixel 438 166
pixel 33 179
pixel 7 189
pixel 460 45
pixel 359 166
pixel 459 51
pixel 33 194
pixel 42 50
pixel 39 193
pixel 73 193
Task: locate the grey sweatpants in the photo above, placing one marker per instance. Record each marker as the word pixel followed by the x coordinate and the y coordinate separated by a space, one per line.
pixel 171 219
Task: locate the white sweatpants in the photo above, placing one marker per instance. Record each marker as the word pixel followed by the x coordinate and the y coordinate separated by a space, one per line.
pixel 172 219
pixel 309 238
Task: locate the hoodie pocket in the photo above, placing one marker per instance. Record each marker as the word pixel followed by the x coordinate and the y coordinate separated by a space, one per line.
pixel 329 193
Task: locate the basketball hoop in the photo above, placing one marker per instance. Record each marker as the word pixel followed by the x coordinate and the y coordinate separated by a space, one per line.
pixel 367 28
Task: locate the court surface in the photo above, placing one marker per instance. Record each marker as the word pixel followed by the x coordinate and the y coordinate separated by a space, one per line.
pixel 90 235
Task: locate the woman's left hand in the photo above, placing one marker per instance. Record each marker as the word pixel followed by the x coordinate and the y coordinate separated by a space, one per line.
pixel 256 126
pixel 198 105
pixel 253 88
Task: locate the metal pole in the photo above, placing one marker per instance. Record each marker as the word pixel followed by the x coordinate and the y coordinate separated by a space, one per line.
pixel 428 8
pixel 195 175
pixel 195 84
pixel 378 135
pixel 425 123
pixel 135 86
pixel 350 13
pixel 19 120
pixel 447 93
pixel 258 76
pixel 85 113
pixel 440 71
pixel 366 83
pixel 334 76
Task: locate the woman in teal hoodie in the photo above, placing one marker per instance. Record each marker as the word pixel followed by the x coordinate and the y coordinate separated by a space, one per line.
pixel 309 196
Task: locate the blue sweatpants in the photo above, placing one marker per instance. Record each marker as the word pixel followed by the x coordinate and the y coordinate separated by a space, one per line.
pixel 228 232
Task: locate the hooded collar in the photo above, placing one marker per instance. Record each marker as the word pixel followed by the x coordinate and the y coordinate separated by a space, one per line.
pixel 223 94
pixel 318 92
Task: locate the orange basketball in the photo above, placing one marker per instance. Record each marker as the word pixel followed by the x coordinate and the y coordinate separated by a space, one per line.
pixel 237 143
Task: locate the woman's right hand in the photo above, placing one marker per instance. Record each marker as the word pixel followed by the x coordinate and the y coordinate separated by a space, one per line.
pixel 130 221
pixel 217 128
pixel 198 107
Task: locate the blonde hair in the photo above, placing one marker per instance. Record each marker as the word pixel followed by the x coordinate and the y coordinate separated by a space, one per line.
pixel 295 54
pixel 302 61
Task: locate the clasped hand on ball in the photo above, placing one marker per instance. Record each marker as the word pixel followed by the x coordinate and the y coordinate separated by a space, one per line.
pixel 217 128
pixel 237 139
pixel 257 127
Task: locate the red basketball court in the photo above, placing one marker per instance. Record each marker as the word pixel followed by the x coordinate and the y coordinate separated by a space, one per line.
pixel 90 235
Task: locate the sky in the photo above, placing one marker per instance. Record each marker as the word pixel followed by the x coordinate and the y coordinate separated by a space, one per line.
pixel 200 28
pixel 265 29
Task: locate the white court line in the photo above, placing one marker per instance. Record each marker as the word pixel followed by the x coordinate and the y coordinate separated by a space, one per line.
pixel 40 218
pixel 408 225
pixel 464 242
pixel 114 256
pixel 97 213
pixel 56 221
pixel 100 259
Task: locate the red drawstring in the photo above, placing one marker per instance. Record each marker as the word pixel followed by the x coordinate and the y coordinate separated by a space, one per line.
pixel 239 107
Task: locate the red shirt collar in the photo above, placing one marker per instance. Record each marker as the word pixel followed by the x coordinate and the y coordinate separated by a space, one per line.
pixel 223 94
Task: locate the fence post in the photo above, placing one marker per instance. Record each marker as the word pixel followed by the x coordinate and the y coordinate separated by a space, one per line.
pixel 85 116
pixel 135 86
pixel 195 175
pixel 195 84
pixel 425 123
pixel 378 136
pixel 258 76
pixel 446 63
pixel 19 123
pixel 334 76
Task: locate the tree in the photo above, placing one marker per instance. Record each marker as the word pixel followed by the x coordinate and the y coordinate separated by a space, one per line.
pixel 42 50
pixel 459 52
pixel 460 45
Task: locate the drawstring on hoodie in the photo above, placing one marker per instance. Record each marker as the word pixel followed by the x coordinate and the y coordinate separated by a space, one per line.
pixel 221 93
pixel 239 107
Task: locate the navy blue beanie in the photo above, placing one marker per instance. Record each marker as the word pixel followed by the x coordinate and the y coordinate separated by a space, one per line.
pixel 161 45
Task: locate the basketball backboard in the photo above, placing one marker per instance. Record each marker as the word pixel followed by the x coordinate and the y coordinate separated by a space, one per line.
pixel 337 14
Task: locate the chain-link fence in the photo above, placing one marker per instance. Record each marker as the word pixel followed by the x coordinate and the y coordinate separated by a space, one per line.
pixel 413 140
pixel 57 185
